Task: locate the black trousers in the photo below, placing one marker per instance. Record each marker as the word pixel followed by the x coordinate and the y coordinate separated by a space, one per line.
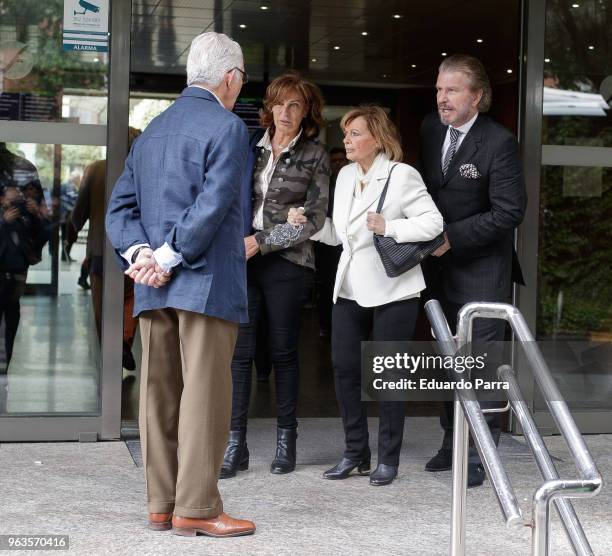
pixel 352 324
pixel 278 284
pixel 327 258
pixel 483 332
pixel 11 291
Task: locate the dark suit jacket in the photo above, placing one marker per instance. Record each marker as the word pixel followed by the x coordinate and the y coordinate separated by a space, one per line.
pixel 181 185
pixel 480 212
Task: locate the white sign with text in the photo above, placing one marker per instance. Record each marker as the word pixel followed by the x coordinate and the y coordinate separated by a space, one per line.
pixel 86 25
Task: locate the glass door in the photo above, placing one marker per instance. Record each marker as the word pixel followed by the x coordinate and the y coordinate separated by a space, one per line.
pixel 573 245
pixel 53 129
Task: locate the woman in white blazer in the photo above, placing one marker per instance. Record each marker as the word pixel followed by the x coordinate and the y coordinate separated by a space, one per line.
pixel 367 303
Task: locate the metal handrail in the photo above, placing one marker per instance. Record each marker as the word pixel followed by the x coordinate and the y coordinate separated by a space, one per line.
pixel 467 403
pixel 468 412
pixel 545 463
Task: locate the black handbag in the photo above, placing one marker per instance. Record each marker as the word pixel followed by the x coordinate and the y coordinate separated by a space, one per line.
pixel 398 258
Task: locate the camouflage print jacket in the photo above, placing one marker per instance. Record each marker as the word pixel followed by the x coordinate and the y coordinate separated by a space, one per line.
pixel 300 179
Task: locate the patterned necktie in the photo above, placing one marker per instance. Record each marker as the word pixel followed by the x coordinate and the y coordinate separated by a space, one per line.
pixel 450 152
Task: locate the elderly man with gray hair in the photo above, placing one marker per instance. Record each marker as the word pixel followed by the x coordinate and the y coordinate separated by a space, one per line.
pixel 175 221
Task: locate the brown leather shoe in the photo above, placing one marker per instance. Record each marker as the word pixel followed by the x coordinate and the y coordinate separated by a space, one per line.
pixel 220 526
pixel 160 522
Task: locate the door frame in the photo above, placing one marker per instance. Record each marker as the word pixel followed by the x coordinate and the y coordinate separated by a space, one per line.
pixel 107 424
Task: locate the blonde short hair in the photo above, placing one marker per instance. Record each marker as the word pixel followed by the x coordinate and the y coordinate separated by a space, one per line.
pixel 380 126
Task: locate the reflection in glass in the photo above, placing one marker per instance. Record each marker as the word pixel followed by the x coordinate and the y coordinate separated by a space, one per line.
pixel 578 74
pixel 89 209
pixel 49 354
pixel 36 73
pixel 558 102
pixel 24 230
pixel 575 258
pixel 575 251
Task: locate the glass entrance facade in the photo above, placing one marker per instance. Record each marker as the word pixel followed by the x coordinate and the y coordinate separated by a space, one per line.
pixel 57 110
pixel 575 207
pixel 53 116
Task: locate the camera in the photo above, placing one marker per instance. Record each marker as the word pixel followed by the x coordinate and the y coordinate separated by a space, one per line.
pixel 21 205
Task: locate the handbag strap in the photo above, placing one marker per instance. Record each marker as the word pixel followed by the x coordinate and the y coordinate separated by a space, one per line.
pixel 381 201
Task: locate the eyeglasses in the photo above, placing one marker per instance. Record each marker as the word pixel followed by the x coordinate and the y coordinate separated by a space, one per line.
pixel 245 75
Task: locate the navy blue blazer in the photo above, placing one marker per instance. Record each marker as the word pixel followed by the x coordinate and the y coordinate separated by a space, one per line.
pixel 182 185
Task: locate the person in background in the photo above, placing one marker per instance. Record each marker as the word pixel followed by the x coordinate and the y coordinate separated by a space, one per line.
pixel 328 256
pixel 24 230
pixel 368 305
pixel 68 195
pixel 291 169
pixel 84 275
pixel 90 206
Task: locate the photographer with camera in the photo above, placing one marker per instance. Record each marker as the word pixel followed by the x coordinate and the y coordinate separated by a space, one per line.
pixel 24 231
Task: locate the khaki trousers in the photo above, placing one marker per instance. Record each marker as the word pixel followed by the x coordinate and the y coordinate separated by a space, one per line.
pixel 185 408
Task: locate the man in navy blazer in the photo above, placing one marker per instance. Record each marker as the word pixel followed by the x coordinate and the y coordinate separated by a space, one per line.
pixel 175 221
pixel 473 172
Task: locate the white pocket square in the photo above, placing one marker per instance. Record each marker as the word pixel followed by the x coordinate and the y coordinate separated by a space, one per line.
pixel 469 171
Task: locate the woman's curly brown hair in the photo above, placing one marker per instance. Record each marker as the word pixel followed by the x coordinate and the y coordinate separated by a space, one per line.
pixel 276 92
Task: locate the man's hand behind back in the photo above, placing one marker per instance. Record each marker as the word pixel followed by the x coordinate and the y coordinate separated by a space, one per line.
pixel 145 270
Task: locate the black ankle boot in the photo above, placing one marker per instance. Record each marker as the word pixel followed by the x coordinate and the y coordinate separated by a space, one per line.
pixel 236 455
pixel 344 468
pixel 284 461
pixel 383 474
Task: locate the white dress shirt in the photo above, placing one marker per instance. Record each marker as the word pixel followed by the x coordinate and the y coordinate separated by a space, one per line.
pixel 462 133
pixel 265 177
pixel 165 256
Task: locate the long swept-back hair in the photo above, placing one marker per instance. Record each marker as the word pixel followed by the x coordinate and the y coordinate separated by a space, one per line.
pixel 476 73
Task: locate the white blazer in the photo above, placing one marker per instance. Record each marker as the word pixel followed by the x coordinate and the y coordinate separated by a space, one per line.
pixel 408 210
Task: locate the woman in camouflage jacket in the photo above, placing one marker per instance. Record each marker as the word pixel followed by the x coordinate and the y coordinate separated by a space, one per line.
pixel 291 170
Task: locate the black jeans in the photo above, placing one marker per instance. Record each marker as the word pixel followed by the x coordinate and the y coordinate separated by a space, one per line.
pixel 278 284
pixel 352 324
pixel 484 331
pixel 11 290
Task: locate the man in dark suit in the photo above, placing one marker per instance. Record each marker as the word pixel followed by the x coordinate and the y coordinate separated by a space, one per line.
pixel 473 172
pixel 175 220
